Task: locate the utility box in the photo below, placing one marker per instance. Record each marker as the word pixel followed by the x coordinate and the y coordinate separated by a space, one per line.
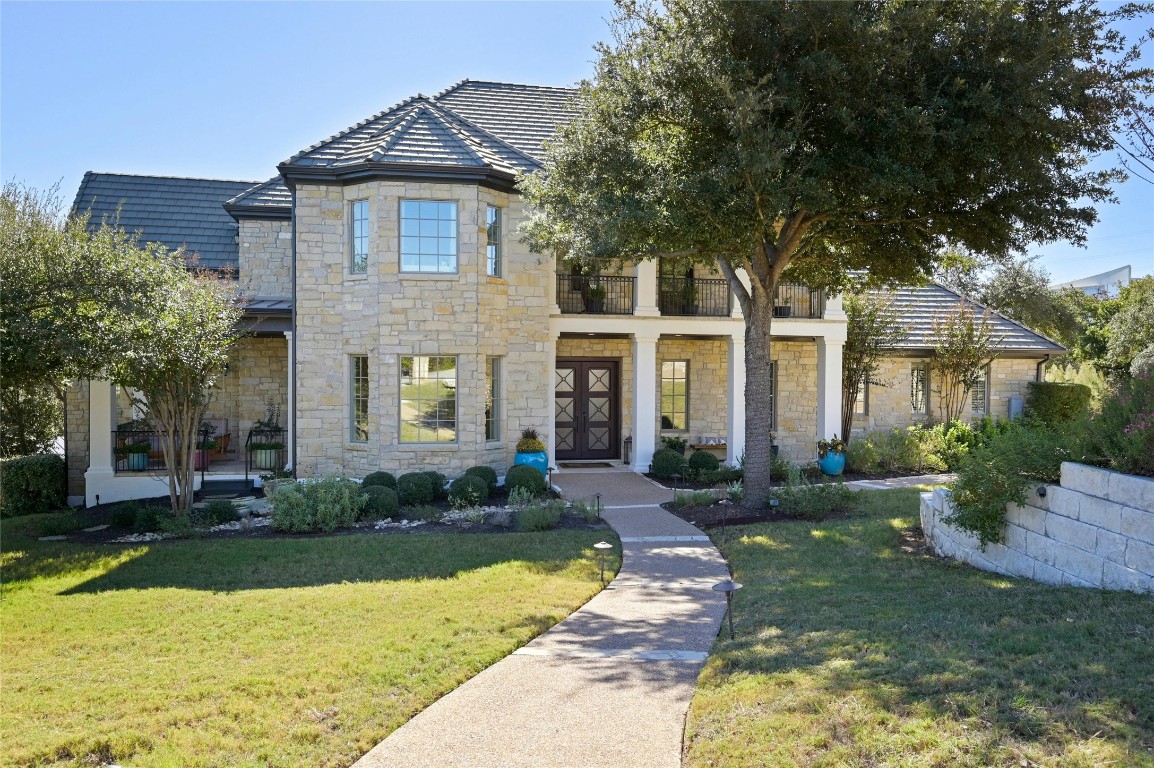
pixel 1015 407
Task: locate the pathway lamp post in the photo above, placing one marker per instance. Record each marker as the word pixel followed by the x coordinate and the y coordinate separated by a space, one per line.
pixel 602 548
pixel 728 587
pixel 597 497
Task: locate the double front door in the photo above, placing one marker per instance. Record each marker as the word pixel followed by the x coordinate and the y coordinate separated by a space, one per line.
pixel 586 410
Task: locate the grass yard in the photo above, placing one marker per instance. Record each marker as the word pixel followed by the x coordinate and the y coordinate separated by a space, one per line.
pixel 853 652
pixel 281 652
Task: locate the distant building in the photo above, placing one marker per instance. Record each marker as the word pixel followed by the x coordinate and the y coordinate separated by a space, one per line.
pixel 1104 284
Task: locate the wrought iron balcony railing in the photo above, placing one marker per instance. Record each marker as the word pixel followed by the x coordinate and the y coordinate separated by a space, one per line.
pixel 694 297
pixel 595 294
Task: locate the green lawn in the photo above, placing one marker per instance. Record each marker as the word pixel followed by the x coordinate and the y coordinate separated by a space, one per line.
pixel 280 652
pixel 853 652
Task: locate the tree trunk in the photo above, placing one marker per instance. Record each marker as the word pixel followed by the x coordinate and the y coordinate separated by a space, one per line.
pixel 758 393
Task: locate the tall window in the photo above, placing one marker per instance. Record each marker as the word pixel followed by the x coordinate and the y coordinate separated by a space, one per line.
pixel 861 405
pixel 919 387
pixel 359 398
pixel 980 394
pixel 675 395
pixel 428 399
pixel 359 236
pixel 493 244
pixel 493 398
pixel 428 236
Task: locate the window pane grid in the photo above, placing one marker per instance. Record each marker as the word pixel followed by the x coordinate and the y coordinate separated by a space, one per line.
pixel 919 386
pixel 359 236
pixel 980 394
pixel 493 245
pixel 428 236
pixel 493 398
pixel 428 399
pixel 675 395
pixel 359 426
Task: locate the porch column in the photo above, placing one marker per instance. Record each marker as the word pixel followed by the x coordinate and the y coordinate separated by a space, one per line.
pixel 100 466
pixel 646 287
pixel 829 360
pixel 735 310
pixel 735 402
pixel 290 413
pixel 551 288
pixel 551 407
pixel 644 401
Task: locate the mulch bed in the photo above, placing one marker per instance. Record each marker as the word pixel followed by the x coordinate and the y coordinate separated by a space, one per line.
pixel 813 477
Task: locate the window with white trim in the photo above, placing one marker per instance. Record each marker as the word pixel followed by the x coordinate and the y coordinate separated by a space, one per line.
pixel 861 405
pixel 428 236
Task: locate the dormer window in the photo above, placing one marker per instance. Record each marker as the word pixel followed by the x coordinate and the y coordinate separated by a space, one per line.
pixel 428 236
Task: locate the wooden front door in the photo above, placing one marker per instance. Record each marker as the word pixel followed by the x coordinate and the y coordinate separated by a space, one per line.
pixel 587 409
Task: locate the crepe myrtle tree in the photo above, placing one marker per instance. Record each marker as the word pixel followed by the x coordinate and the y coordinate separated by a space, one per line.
pixel 872 329
pixel 816 139
pixel 964 346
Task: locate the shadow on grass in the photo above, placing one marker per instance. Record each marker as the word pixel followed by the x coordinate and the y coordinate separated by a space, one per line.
pixel 841 605
pixel 233 565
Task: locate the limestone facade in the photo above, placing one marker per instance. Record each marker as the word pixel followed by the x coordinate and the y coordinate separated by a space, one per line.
pixel 265 257
pixel 76 436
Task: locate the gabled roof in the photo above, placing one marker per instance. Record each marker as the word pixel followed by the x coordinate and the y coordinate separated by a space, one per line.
pixel 917 307
pixel 174 211
pixel 270 200
pixel 526 116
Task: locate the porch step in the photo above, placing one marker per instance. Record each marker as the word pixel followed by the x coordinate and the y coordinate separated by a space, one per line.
pixel 215 487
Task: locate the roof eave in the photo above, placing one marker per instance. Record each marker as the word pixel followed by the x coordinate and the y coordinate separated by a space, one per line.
pixel 238 212
pixel 362 172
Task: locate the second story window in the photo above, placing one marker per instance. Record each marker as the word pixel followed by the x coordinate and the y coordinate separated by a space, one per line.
pixel 428 236
pixel 493 244
pixel 359 236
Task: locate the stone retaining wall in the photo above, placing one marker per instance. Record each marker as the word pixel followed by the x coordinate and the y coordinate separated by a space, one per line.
pixel 1096 529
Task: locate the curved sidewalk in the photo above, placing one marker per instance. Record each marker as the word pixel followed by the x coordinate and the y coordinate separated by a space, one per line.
pixel 610 685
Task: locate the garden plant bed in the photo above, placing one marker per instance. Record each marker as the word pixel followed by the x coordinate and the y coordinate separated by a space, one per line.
pixel 728 514
pixel 812 474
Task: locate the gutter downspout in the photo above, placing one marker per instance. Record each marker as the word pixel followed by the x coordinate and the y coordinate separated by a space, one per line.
pixel 293 346
pixel 1038 375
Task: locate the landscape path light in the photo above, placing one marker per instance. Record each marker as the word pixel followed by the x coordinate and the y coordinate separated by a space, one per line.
pixel 728 587
pixel 597 496
pixel 602 548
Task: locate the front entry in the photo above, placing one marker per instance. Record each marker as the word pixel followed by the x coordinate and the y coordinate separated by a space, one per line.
pixel 587 409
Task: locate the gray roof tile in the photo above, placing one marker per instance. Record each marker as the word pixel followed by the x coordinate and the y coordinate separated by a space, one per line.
pixel 525 116
pixel 268 196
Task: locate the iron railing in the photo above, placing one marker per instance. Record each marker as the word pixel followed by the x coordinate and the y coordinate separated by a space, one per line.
pixel 595 294
pixel 694 297
pixel 265 450
pixel 793 300
pixel 140 450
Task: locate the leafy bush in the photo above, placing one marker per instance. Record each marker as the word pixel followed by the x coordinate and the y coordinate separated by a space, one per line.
pixel 32 485
pixel 778 469
pixel 148 518
pixel 735 491
pixel 668 463
pixel 947 443
pixel 180 526
pixel 488 474
pixel 321 505
pixel 123 515
pixel 383 479
pixel 540 516
pixel 219 511
pixel 520 497
pixel 1054 403
pixel 415 488
pixel 693 498
pixel 440 484
pixel 31 418
pixel 675 443
pixel 380 502
pixel 61 524
pixel 703 461
pixel 813 502
pixel 1121 436
pixel 524 476
pixel 914 449
pixel 586 510
pixel 862 456
pixel 468 491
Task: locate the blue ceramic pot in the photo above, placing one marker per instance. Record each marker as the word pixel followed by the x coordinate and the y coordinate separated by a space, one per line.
pixel 832 464
pixel 538 461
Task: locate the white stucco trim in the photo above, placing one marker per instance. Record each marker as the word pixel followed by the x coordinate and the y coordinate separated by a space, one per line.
pixel 644 401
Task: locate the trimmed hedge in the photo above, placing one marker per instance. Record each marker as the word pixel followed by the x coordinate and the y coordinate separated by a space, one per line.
pixel 668 463
pixel 468 489
pixel 488 474
pixel 703 461
pixel 415 488
pixel 524 476
pixel 440 484
pixel 383 479
pixel 1056 403
pixel 31 485
pixel 382 502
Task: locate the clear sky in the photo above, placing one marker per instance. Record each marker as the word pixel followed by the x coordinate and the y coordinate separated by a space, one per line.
pixel 228 90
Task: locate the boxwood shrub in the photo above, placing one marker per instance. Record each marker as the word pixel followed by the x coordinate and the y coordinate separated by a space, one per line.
pixel 383 479
pixel 488 474
pixel 381 502
pixel 415 488
pixel 468 490
pixel 32 485
pixel 1056 403
pixel 524 476
pixel 439 483
pixel 703 461
pixel 668 463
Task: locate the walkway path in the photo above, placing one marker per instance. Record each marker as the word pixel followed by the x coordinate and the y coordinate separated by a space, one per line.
pixel 609 686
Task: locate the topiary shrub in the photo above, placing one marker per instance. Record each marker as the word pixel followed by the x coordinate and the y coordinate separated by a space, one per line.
pixel 383 479
pixel 668 463
pixel 468 491
pixel 218 511
pixel 148 519
pixel 415 488
pixel 1055 403
pixel 440 484
pixel 703 461
pixel 488 474
pixel 32 485
pixel 522 476
pixel 123 515
pixel 381 502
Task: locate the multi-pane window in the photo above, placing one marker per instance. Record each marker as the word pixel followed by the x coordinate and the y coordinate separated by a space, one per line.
pixel 919 387
pixel 861 405
pixel 428 236
pixel 675 395
pixel 428 399
pixel 980 394
pixel 359 398
pixel 493 398
pixel 359 236
pixel 493 243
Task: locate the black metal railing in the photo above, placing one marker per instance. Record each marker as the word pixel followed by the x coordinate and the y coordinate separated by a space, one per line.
pixel 140 450
pixel 265 450
pixel 694 296
pixel 595 294
pixel 793 300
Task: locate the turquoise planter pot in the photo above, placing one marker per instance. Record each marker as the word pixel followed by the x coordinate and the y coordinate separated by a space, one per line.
pixel 832 464
pixel 538 461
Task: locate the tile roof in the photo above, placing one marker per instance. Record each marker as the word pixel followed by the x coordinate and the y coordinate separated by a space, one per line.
pixel 917 307
pixel 174 211
pixel 270 196
pixel 526 116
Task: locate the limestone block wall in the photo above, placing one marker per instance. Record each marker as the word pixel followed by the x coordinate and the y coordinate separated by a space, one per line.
pixel 265 258
pixel 1096 529
pixel 708 384
pixel 257 371
pixel 386 314
pixel 796 367
pixel 76 436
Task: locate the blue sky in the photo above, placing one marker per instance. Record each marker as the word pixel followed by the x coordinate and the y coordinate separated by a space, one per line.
pixel 228 90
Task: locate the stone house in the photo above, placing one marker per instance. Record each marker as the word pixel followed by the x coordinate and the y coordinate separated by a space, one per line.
pixel 399 323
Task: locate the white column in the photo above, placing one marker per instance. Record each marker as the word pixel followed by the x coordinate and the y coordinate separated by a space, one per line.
pixel 644 401
pixel 735 310
pixel 735 403
pixel 646 288
pixel 290 412
pixel 829 359
pixel 834 309
pixel 551 287
pixel 551 390
pixel 100 426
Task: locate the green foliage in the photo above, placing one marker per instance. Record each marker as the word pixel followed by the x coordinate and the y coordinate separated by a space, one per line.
pixel 814 501
pixel 384 479
pixel 182 525
pixel 778 469
pixel 675 443
pixel 320 505
pixel 701 498
pixel 1121 435
pixel 668 463
pixel 440 484
pixel 530 442
pixel 998 473
pixel 486 473
pixel 1055 403
pixel 415 488
pixel 703 461
pixel 526 477
pixel 219 511
pixel 123 515
pixel 148 518
pixel 424 513
pixel 735 491
pixel 913 449
pixel 520 496
pixel 964 346
pixel 722 474
pixel 61 524
pixel 31 418
pixel 468 491
pixel 586 510
pixel 1130 346
pixel 947 443
pixel 873 328
pixel 32 484
pixel 381 502
pixel 1081 373
pixel 539 516
pixel 862 456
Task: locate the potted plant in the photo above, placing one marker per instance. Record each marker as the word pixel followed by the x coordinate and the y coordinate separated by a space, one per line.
pixel 134 455
pixel 531 451
pixel 269 438
pixel 831 456
pixel 265 455
pixel 594 295
pixel 204 448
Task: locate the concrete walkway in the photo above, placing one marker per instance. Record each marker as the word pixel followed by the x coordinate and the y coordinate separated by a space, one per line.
pixel 610 685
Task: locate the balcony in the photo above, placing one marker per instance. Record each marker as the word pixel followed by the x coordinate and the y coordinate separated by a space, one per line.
pixel 693 297
pixel 793 300
pixel 595 294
